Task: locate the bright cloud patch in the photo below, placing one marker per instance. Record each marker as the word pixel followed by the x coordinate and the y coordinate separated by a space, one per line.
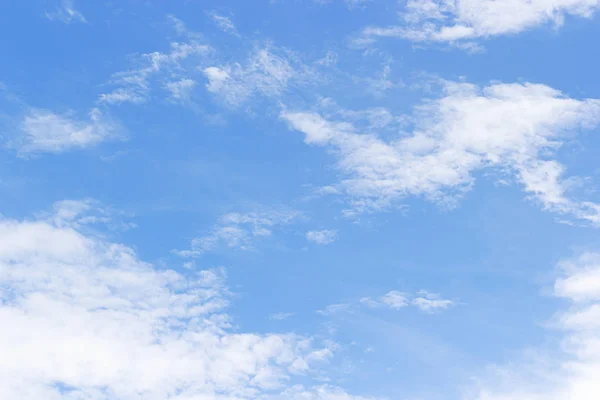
pixel 572 374
pixel 456 20
pixel 83 317
pixel 321 237
pixel 510 126
pixel 44 131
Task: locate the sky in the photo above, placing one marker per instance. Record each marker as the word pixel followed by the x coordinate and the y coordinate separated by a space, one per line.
pixel 299 200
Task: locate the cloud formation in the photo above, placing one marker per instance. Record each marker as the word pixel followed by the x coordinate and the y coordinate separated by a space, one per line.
pixel 135 85
pixel 464 20
pixel 393 300
pixel 239 231
pixel 572 372
pixel 268 72
pixel 43 131
pixel 83 317
pixel 325 236
pixel 66 13
pixel 513 127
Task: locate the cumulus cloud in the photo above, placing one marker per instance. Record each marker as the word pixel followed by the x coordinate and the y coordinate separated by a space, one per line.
pixel 460 20
pixel 43 131
pixel 514 127
pixel 325 236
pixel 572 372
pixel 66 13
pixel 239 231
pixel 83 317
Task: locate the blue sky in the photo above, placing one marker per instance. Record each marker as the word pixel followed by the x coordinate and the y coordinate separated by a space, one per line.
pixel 299 199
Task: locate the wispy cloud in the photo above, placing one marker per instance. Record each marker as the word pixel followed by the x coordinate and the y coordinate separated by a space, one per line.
pixel 240 231
pixel 66 13
pixel 461 21
pixel 325 236
pixel 43 131
pixel 393 300
pixel 134 86
pixel 514 127
pixel 224 23
pixel 281 316
pixel 268 72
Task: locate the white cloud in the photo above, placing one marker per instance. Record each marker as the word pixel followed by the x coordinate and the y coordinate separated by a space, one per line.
pixel 515 127
pixel 572 371
pixel 393 300
pixel 322 237
pixel 431 302
pixel 134 86
pixel 281 316
pixel 335 308
pixel 181 89
pixel 456 20
pixel 224 23
pixel 44 131
pixel 83 317
pixel 267 72
pixel 66 13
pixel 325 392
pixel 239 231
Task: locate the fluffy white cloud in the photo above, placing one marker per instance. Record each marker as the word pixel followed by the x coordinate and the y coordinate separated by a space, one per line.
pixel 45 131
pixel 514 127
pixel 572 372
pixel 456 20
pixel 83 318
pixel 235 230
pixel 66 13
pixel 325 236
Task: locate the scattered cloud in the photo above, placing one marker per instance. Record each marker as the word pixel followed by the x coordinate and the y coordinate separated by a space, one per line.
pixel 66 13
pixel 571 372
pixel 431 302
pixel 324 392
pixel 514 127
pixel 181 90
pixel 461 21
pixel 239 231
pixel 281 316
pixel 268 72
pixel 224 23
pixel 43 131
pixel 117 327
pixel 393 300
pixel 134 86
pixel 322 237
